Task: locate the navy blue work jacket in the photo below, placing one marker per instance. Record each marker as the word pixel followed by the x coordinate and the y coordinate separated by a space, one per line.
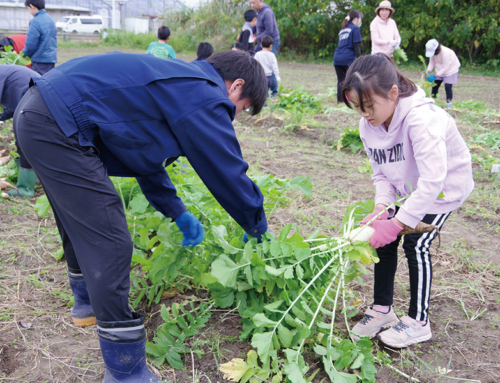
pixel 142 112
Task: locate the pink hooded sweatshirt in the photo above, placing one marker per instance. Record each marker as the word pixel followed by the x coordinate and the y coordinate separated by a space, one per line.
pixel 381 33
pixel 446 62
pixel 423 148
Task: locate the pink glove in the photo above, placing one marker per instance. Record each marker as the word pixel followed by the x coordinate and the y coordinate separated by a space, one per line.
pixel 385 232
pixel 383 216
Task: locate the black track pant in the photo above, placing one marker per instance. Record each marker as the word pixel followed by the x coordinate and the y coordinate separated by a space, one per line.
pixel 341 71
pixel 416 248
pixel 447 87
pixel 87 208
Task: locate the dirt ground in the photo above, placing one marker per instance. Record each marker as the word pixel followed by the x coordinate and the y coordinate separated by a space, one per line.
pixel 38 342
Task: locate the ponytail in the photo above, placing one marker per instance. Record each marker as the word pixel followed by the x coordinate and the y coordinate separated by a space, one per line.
pixel 375 74
pixel 350 16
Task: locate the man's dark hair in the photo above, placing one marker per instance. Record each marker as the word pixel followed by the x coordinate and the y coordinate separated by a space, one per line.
pixel 233 65
pixel 238 46
pixel 163 33
pixel 39 4
pixel 250 15
pixel 204 51
pixel 266 41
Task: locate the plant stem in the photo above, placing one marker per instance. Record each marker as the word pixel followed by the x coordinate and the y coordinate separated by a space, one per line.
pixel 305 289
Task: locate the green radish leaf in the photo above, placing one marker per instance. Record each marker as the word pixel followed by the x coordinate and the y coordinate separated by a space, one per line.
pixel 139 204
pixel 264 344
pixel 225 270
pixel 275 249
pixel 357 362
pixel 220 234
pixel 273 307
pixel 293 373
pixel 285 336
pixel 261 320
pixel 336 376
pixel 320 350
pixel 288 273
pixel 273 271
pixel 284 233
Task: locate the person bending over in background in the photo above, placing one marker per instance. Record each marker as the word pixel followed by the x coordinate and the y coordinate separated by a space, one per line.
pixel 41 41
pixel 417 154
pixel 267 59
pixel 204 51
pixel 160 48
pixel 384 31
pixel 246 36
pixel 348 48
pixel 446 64
pixel 17 42
pixel 14 83
pixel 129 115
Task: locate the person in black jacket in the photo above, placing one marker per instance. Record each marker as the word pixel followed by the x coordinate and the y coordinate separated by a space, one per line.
pixel 246 35
pixel 348 48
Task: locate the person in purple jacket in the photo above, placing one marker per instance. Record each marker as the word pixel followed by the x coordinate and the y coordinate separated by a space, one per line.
pixel 418 158
pixel 266 24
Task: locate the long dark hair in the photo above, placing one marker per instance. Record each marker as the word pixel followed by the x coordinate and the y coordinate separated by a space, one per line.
pixel 375 74
pixel 352 15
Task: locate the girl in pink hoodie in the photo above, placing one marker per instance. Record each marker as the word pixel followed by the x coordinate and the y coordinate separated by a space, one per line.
pixel 419 157
pixel 384 31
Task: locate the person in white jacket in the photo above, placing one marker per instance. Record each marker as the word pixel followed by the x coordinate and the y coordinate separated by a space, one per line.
pixel 418 158
pixel 267 59
pixel 446 64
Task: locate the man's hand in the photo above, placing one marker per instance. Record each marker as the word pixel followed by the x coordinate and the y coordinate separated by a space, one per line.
pixel 190 228
pixel 259 237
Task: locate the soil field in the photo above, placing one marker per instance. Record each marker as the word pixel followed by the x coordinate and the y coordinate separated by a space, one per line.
pixel 38 342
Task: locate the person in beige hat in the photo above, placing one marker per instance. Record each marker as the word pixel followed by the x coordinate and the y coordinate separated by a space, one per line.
pixel 384 31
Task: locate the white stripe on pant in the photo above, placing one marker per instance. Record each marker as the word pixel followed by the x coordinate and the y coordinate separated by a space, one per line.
pixel 423 258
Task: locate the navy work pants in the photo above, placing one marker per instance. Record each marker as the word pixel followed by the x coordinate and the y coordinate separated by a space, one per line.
pixel 416 248
pixel 88 211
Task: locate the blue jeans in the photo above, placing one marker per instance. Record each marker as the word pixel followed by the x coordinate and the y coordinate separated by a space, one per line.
pixel 272 84
pixel 276 46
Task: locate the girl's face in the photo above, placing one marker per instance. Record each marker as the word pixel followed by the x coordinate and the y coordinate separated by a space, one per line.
pixel 378 109
pixel 357 21
pixel 384 13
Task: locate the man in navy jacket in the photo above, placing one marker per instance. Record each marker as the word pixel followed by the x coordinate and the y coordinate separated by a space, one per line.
pixel 41 42
pixel 266 25
pixel 131 115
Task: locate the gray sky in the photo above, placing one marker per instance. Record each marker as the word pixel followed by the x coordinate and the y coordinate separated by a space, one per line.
pixel 193 3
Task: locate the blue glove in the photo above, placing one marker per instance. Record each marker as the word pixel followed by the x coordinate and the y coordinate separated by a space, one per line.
pixel 191 229
pixel 431 78
pixel 259 237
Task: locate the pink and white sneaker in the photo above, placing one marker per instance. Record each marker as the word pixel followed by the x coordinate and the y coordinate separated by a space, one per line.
pixel 373 322
pixel 407 332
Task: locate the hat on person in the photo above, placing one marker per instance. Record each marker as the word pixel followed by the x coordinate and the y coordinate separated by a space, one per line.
pixel 385 5
pixel 430 47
